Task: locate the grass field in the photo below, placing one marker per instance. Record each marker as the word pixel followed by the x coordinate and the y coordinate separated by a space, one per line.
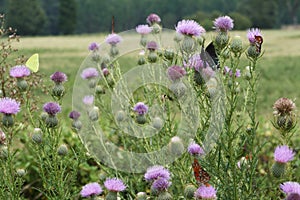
pixel 279 67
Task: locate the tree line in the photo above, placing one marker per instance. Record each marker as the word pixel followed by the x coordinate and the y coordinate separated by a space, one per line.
pixel 55 17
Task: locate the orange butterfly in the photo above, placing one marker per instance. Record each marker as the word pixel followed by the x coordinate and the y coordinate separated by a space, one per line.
pixel 258 43
pixel 201 176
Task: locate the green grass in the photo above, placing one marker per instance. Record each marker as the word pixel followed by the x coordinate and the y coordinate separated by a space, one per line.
pixel 279 67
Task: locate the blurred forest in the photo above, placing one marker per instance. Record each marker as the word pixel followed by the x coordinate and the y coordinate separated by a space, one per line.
pixel 57 17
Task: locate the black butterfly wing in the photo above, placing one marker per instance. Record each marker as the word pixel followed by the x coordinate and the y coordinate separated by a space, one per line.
pixel 210 56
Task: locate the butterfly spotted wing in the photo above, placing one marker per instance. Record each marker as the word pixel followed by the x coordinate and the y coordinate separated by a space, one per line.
pixel 201 176
pixel 258 43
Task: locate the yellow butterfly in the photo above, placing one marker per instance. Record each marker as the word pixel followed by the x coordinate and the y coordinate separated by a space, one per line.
pixel 33 62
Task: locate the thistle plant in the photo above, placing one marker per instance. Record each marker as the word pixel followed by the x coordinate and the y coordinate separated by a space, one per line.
pixel 181 124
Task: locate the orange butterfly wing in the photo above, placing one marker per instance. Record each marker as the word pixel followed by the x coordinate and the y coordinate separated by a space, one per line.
pixel 258 43
pixel 201 176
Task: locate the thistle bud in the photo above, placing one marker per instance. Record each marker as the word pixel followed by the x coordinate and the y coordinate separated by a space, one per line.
pixel 62 150
pixel 141 196
pixel 111 196
pixel 236 45
pixel 114 51
pixel 94 113
pixel 58 90
pixel 221 40
pixel 21 172
pixel 252 51
pixel 188 44
pixel 164 196
pixel 176 146
pixel 178 88
pixel 120 116
pixel 278 169
pixel 51 121
pixel 22 84
pixel 157 123
pixel 141 119
pixel 189 191
pixel 7 120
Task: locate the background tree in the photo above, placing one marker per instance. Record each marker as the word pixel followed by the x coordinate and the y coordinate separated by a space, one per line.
pixel 67 16
pixel 52 12
pixel 263 14
pixel 27 16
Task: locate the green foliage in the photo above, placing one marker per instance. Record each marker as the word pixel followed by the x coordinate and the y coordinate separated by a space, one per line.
pixel 27 16
pixel 241 22
pixel 263 14
pixel 67 16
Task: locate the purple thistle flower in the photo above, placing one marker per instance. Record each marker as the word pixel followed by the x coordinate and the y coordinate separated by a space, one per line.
pixel 252 33
pixel 223 24
pixel 9 106
pixel 91 189
pixel 238 73
pixel 19 71
pixel 113 39
pixel 140 108
pixel 195 149
pixel 88 100
pixel 208 72
pixel 114 185
pixel 283 154
pixel 152 46
pixel 290 187
pixel 153 18
pixel 74 115
pixel 105 71
pixel 51 108
pixel 190 28
pixel 58 77
pixel 143 29
pixel 206 192
pixel 228 71
pixel 94 46
pixel 176 72
pixel 89 73
pixel 161 184
pixel 156 172
pixel 293 196
pixel 195 62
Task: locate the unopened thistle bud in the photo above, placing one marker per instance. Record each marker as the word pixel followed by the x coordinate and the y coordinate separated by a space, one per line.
pixel 176 146
pixel 7 120
pixel 164 196
pixel 178 88
pixel 221 40
pixel 58 90
pixel 22 84
pixel 21 172
pixel 62 150
pixel 189 191
pixel 94 113
pixel 157 123
pixel 37 136
pixel 51 121
pixel 236 45
pixel 189 44
pixel 141 196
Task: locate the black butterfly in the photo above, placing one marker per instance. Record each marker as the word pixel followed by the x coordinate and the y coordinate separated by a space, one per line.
pixel 209 55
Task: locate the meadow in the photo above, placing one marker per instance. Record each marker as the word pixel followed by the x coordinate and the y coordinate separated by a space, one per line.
pixel 247 136
pixel 279 70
